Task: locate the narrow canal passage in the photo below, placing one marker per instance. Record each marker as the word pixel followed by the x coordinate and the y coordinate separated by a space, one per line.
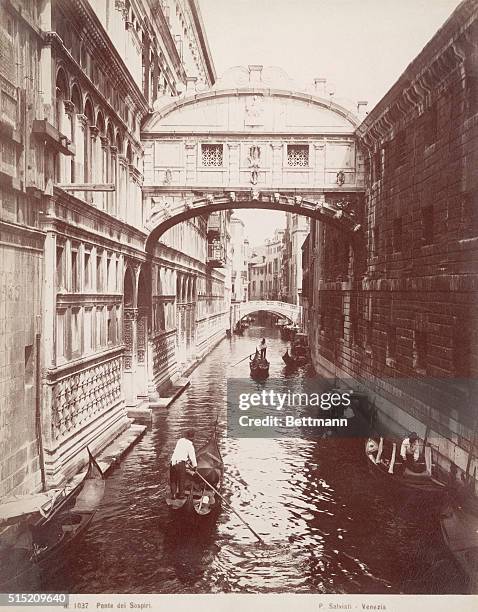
pixel 328 530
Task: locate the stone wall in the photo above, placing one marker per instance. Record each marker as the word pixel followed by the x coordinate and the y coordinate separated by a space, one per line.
pixel 20 300
pixel 397 313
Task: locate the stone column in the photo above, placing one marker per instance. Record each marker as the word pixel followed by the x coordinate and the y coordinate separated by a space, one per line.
pixel 103 173
pixel 113 178
pixel 234 162
pixel 92 162
pixel 68 130
pixel 319 164
pixel 191 162
pixel 122 179
pixel 277 177
pixel 79 159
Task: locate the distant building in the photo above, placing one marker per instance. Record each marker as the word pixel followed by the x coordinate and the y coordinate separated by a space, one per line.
pixel 240 256
pixel 297 228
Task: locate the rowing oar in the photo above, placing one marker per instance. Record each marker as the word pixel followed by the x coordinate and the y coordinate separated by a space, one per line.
pixel 235 511
pixel 235 364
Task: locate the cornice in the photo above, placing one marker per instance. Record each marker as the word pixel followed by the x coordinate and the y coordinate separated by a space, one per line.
pixel 97 34
pixel 421 83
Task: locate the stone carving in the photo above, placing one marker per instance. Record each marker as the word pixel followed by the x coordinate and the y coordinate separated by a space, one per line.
pixel 340 180
pixel 232 196
pixel 210 198
pixel 168 177
pixel 255 195
pixel 297 200
pixel 254 160
pixel 141 340
pixel 276 197
pixel 80 397
pixel 254 110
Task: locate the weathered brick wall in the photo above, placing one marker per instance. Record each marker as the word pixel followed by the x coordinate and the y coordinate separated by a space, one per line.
pixel 402 314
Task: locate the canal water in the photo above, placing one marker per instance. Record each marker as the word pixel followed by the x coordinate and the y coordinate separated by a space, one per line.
pixel 327 528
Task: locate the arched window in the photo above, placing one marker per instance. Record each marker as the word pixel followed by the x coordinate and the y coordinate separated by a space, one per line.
pixel 63 123
pixel 89 149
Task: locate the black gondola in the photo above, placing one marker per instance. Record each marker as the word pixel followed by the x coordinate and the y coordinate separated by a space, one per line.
pixel 37 544
pixel 200 499
pixel 259 367
pixel 385 463
pixel 299 352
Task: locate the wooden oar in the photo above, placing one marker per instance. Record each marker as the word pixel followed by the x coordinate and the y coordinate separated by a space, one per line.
pixel 235 364
pixel 229 505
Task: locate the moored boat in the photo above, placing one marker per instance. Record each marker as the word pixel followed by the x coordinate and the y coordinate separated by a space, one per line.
pixel 459 527
pixel 200 497
pixel 385 462
pixel 41 543
pixel 299 351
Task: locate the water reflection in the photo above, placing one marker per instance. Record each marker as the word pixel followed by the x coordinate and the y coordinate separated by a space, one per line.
pixel 327 529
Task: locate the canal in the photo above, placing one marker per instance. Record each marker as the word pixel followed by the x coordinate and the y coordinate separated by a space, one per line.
pixel 327 528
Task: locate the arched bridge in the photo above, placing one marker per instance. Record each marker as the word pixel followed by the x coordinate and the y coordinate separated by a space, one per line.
pixel 341 211
pixel 292 312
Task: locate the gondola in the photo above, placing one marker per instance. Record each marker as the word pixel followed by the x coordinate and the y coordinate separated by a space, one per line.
pixel 299 352
pixel 459 527
pixel 35 545
pixel 259 367
pixel 201 500
pixel 385 463
pixel 294 359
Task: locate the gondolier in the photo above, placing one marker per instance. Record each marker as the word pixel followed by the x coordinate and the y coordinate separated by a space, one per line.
pixel 262 348
pixel 183 454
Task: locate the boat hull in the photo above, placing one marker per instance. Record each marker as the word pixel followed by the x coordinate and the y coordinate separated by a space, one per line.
pixel 407 483
pixel 201 499
pixel 44 544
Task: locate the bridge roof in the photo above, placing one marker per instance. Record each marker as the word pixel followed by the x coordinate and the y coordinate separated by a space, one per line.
pixel 255 106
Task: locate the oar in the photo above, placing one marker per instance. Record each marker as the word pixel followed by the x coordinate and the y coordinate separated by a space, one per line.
pixel 229 505
pixel 235 364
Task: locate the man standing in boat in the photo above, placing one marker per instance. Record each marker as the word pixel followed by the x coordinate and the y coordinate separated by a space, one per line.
pixel 183 455
pixel 262 348
pixel 410 452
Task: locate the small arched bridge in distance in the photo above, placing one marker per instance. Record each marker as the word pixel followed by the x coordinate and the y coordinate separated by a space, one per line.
pixel 239 310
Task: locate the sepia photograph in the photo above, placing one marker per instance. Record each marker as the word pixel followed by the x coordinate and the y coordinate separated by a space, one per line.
pixel 238 304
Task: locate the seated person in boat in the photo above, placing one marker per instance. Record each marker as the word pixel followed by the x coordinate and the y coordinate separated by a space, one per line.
pixel 410 453
pixel 183 455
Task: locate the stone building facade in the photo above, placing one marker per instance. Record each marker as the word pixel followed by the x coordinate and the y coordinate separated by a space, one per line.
pixel 396 312
pixel 90 325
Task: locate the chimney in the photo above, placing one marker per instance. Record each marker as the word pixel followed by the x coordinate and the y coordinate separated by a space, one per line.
pixel 319 85
pixel 362 108
pixel 191 85
pixel 255 74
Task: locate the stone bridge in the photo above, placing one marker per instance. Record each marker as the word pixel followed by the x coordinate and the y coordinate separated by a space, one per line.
pixel 292 312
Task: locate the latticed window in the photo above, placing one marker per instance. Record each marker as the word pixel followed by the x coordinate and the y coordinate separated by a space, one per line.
pixel 212 155
pixel 298 156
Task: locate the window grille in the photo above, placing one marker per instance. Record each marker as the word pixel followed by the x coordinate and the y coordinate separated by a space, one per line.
pixel 298 156
pixel 212 155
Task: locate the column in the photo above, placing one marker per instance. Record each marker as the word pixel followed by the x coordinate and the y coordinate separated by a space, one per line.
pixel 67 130
pixel 319 164
pixel 234 161
pixel 92 162
pixel 277 164
pixel 112 178
pixel 103 173
pixel 191 162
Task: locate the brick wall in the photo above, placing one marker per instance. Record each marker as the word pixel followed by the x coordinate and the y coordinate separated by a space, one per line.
pixel 399 312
